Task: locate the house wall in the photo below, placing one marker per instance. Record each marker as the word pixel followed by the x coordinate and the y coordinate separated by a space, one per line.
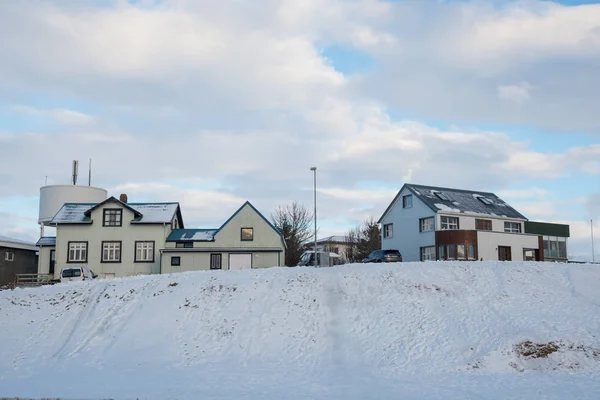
pixel 488 243
pixel 128 234
pixel 200 261
pixel 468 221
pixel 406 236
pixel 44 260
pixel 24 262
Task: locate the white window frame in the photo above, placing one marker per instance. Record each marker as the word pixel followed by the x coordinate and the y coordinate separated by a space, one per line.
pixel 9 256
pixel 449 223
pixel 405 202
pixel 216 257
pixel 144 251
pixel 426 224
pixel 111 252
pixel 512 227
pixel 428 253
pixel 77 252
pixel 388 234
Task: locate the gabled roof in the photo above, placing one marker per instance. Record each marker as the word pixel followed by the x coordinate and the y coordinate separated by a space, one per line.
pixel 247 203
pixel 16 243
pixel 46 241
pixel 192 235
pixel 145 213
pixel 459 201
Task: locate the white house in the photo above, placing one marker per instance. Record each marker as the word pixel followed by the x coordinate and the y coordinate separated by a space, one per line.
pixel 246 240
pixel 433 223
pixel 115 238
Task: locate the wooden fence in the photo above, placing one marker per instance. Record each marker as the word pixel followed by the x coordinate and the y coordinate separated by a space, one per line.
pixel 34 280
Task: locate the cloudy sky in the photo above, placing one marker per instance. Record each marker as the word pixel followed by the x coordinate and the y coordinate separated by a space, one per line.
pixel 212 103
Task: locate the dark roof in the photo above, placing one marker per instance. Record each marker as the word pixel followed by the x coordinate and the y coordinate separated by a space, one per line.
pixel 46 241
pixel 459 201
pixel 192 235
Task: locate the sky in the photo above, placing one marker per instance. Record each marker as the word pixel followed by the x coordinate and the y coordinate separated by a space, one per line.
pixel 214 103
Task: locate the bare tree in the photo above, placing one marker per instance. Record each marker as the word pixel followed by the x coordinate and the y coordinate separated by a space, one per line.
pixel 294 222
pixel 362 240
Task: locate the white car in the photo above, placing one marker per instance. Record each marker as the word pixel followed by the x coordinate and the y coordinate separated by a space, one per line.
pixel 70 274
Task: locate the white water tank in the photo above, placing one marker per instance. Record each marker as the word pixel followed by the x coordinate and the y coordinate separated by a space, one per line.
pixel 52 198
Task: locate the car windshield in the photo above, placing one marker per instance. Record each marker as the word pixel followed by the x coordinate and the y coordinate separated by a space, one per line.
pixel 393 252
pixel 70 273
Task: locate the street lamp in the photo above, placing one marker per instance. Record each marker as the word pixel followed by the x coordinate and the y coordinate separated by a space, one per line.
pixel 314 170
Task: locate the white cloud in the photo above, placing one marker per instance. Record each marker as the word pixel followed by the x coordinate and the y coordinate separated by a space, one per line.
pixel 518 94
pixel 62 116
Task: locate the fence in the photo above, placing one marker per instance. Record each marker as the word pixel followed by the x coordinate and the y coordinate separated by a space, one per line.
pixel 33 279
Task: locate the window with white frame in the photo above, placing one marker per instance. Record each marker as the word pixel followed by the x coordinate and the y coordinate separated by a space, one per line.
pixel 9 256
pixel 111 252
pixel 449 222
pixel 426 224
pixel 512 227
pixel 460 251
pixel 144 251
pixel 388 231
pixel 77 252
pixel 428 253
pixel 407 201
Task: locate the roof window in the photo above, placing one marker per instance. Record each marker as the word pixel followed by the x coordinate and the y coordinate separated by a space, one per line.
pixel 442 196
pixel 485 200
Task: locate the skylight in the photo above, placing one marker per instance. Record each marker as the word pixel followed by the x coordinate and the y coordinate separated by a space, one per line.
pixel 442 196
pixel 485 200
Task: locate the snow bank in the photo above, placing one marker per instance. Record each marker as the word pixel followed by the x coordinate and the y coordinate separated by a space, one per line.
pixel 412 330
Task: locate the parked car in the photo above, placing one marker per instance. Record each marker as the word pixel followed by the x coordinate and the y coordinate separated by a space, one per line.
pixel 379 256
pixel 70 274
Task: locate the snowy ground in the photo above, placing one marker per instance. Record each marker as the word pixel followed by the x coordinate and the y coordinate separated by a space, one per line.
pixel 411 331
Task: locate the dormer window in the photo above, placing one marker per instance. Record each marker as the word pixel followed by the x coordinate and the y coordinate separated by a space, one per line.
pixel 112 217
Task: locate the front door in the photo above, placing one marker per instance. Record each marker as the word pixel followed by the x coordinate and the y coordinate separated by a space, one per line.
pixel 240 261
pixel 504 253
pixel 52 262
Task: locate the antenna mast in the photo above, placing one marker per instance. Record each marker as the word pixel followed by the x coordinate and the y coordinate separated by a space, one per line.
pixel 90 174
pixel 75 171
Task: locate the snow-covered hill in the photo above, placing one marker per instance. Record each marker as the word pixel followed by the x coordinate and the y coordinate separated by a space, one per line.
pixel 411 330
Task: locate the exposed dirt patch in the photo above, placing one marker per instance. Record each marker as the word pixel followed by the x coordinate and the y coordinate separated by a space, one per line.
pixel 536 350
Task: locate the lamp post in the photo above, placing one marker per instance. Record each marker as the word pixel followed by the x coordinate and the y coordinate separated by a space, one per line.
pixel 314 170
pixel 592 231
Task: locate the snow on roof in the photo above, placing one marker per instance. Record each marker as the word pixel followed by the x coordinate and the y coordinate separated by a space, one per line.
pixel 6 241
pixel 74 213
pixel 338 239
pixel 191 235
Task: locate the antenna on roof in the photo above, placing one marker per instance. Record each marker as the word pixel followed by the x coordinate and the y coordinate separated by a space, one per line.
pixel 90 174
pixel 75 171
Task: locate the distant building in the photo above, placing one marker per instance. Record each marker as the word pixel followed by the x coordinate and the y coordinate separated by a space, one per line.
pixel 434 223
pixel 332 244
pixel 16 257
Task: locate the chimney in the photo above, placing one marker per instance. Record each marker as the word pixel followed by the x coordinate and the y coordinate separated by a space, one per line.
pixel 123 198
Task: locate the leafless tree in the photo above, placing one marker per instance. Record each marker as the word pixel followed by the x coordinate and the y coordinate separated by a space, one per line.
pixel 294 221
pixel 362 240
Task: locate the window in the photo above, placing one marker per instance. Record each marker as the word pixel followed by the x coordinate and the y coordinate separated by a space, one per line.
pixel 460 252
pixel 428 253
pixel 112 217
pixel 451 251
pixel 483 224
pixel 485 200
pixel 512 227
pixel 388 231
pixel 9 256
pixel 247 234
pixel 471 255
pixel 426 224
pixel 184 245
pixel 144 251
pixel 175 261
pixel 441 252
pixel 449 222
pixel 111 252
pixel 77 252
pixel 442 196
pixel 215 261
pixel 555 247
pixel 175 224
pixel 407 201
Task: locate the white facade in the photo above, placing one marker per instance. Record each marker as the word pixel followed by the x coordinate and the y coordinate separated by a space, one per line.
pixel 488 243
pixel 406 236
pixel 53 197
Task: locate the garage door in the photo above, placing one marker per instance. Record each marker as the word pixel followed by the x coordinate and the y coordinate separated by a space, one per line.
pixel 240 261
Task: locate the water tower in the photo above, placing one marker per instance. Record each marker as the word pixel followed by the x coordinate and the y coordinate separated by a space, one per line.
pixel 52 197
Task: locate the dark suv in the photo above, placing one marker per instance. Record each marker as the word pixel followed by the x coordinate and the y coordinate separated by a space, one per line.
pixel 383 256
